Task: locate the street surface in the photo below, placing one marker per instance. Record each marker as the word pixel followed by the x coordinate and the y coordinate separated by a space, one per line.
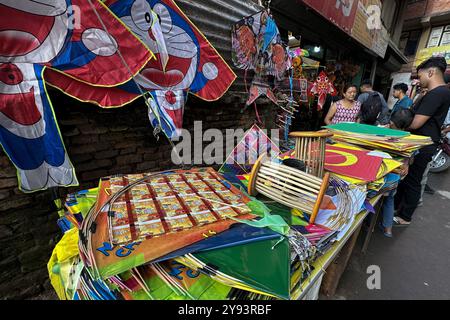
pixel 415 263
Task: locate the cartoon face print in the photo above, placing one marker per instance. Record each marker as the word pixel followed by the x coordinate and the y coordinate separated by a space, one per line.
pixel 323 84
pixel 169 105
pixel 179 71
pixel 263 19
pixel 32 31
pixel 279 58
pixel 247 42
pixel 322 87
pixel 35 34
pixel 18 85
pixel 192 62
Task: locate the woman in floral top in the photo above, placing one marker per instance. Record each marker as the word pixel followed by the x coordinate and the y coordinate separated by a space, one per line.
pixel 345 110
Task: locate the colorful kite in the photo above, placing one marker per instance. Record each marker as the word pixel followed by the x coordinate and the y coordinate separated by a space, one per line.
pixel 322 86
pixel 79 39
pixel 257 46
pixel 97 244
pixel 353 163
pixel 344 202
pixel 250 266
pixel 253 144
pixel 171 204
pixel 297 56
pixel 171 280
pixel 186 62
pixel 297 66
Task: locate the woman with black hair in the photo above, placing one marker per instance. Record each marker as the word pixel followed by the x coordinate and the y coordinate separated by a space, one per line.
pixel 346 109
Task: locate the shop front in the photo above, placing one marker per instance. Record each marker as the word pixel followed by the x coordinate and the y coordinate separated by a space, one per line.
pixel 326 37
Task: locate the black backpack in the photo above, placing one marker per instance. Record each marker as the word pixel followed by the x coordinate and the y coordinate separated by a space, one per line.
pixel 371 108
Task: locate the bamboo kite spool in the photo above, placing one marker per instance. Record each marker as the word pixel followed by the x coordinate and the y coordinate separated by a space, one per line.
pixel 289 186
pixel 310 148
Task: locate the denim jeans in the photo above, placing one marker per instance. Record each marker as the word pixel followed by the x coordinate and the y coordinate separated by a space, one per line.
pixel 388 209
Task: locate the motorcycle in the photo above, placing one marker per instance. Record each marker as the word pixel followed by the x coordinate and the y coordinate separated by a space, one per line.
pixel 441 159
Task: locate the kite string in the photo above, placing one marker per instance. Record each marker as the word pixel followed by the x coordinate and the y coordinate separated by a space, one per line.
pixel 258 118
pixel 245 80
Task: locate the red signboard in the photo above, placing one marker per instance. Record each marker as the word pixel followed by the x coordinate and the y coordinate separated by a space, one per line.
pixel 340 12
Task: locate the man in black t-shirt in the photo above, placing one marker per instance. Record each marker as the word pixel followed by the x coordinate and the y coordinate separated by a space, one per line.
pixel 430 113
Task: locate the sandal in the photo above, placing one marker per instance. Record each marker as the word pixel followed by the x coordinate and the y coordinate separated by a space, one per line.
pixel 397 223
pixel 388 235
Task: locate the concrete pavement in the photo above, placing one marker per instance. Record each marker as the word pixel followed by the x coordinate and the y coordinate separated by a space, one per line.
pixel 415 263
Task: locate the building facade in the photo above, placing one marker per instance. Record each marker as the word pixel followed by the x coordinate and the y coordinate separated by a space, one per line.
pixel 426 31
pixel 365 33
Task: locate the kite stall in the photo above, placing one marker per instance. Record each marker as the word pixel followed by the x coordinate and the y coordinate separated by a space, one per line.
pixel 262 231
pixel 265 225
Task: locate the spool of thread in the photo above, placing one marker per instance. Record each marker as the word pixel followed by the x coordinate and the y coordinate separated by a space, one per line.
pixel 310 148
pixel 289 186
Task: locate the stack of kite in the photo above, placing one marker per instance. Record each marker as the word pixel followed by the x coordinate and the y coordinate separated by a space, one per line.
pixel 181 234
pixel 375 168
pixel 359 166
pixel 355 172
pixel 320 237
pixel 390 182
pixel 178 234
pixel 396 142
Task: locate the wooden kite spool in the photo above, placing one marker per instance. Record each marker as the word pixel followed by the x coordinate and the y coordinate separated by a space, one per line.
pixel 310 148
pixel 289 186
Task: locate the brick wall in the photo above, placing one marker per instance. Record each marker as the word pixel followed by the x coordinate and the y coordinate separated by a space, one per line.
pixel 426 8
pixel 437 7
pixel 416 10
pixel 99 142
